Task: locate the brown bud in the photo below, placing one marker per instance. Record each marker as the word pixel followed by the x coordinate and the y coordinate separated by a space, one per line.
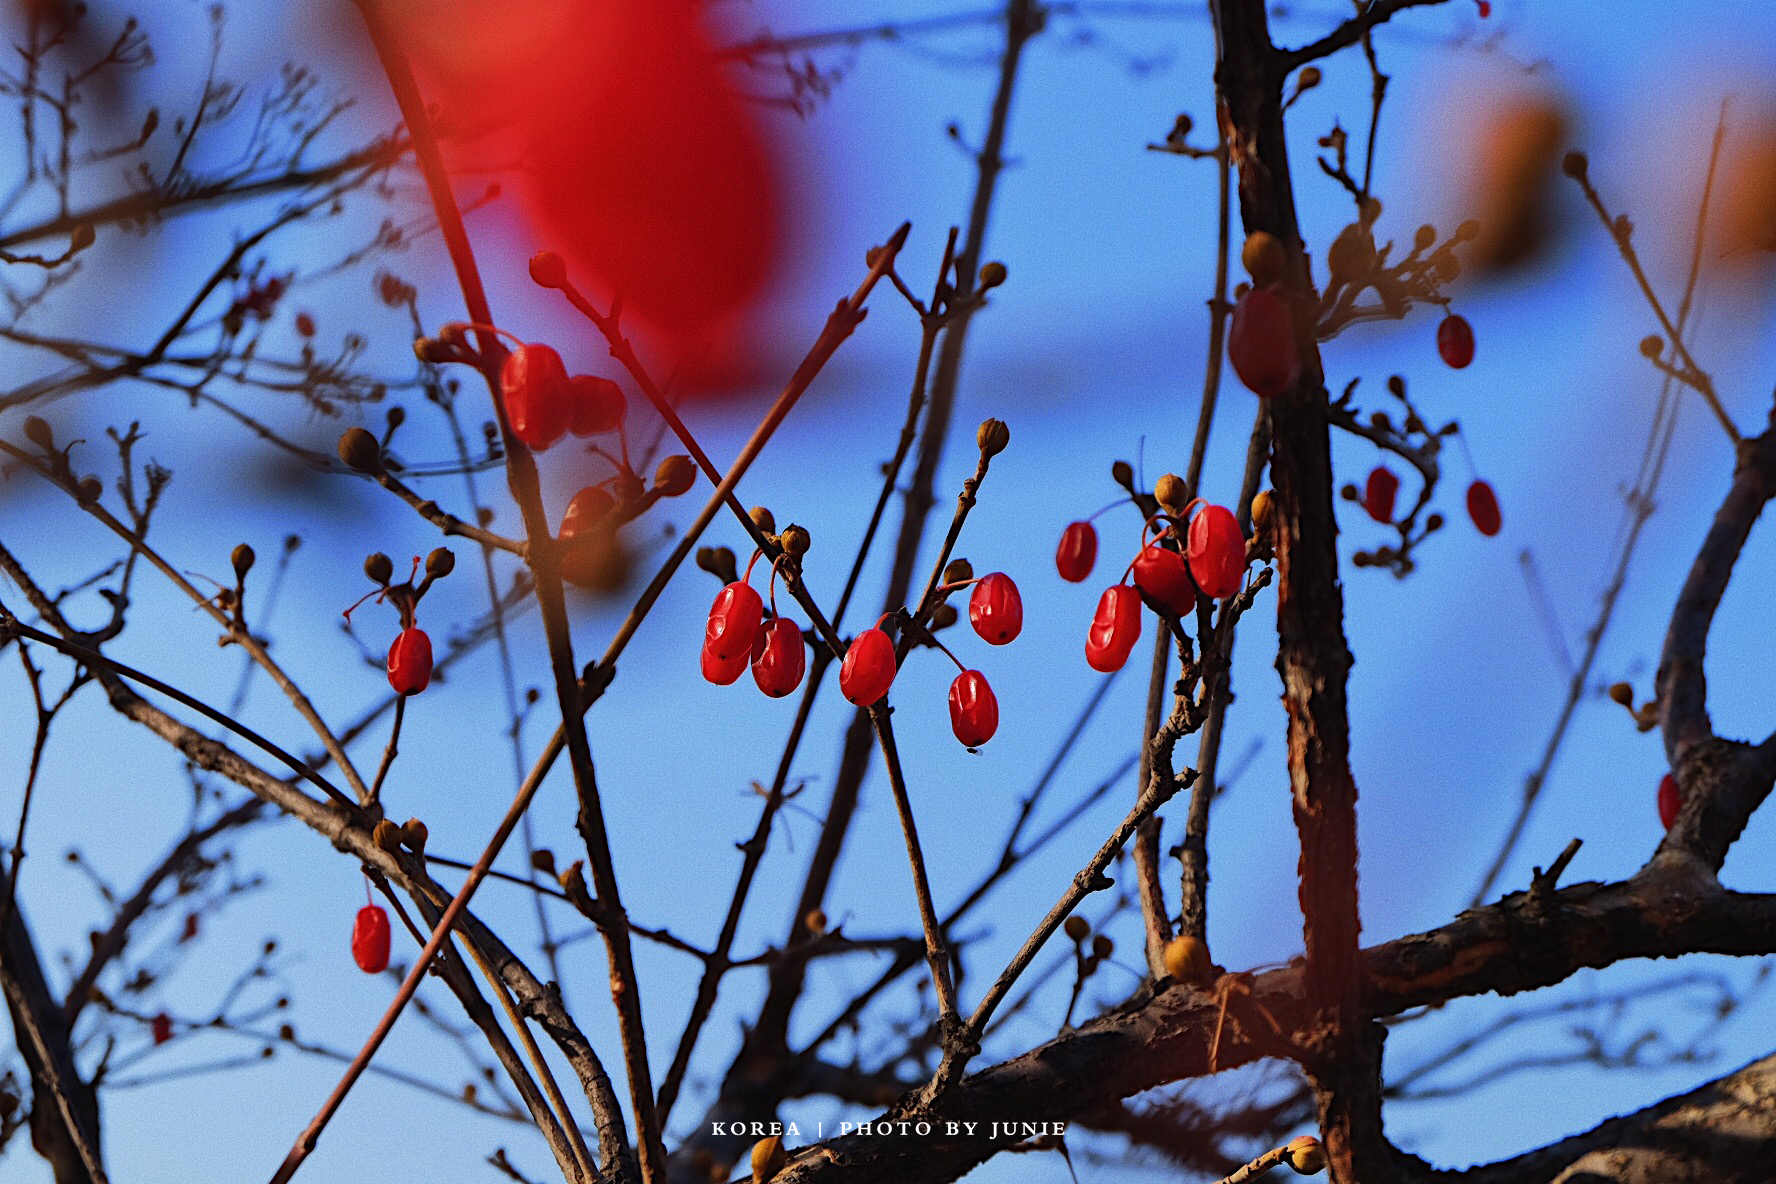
pixel 37 431
pixel 795 540
pixel 675 476
pixel 815 921
pixel 1102 947
pixel 1263 257
pixel 387 836
pixel 943 616
pixel 958 570
pixel 1652 345
pixel 379 567
pixel 82 238
pixel 1622 693
pixel 242 558
pixel 543 860
pixel 360 451
pixel 1263 511
pixel 1351 256
pixel 718 562
pixel 547 270
pixel 992 275
pixel 1305 1155
pixel 1171 492
pixel 1427 235
pixel 992 436
pixel 440 563
pixel 1308 78
pixel 761 518
pixel 414 835
pixel 88 490
pixel 1076 927
pixel 1187 960
pixel 768 1158
pixel 1433 523
pixel 1574 164
pixel 433 349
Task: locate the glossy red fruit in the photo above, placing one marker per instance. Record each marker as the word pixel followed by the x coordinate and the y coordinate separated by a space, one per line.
pixel 161 1026
pixel 724 672
pixel 974 712
pixel 1670 799
pixel 777 665
pixel 410 662
pixel 1455 341
pixel 1163 576
pixel 1078 551
pixel 1483 508
pixel 594 405
pixel 533 386
pixel 370 940
pixel 587 509
pixel 996 610
pixel 734 621
pixel 1261 342
pixel 1378 494
pixel 868 669
pixel 1216 549
pixel 1114 629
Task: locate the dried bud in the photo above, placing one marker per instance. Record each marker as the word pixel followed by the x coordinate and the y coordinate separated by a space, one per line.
pixel 943 616
pixel 1263 257
pixel 1123 474
pixel 768 1158
pixel 992 437
pixel 815 921
pixel 1102 947
pixel 958 571
pixel 433 349
pixel 1622 693
pixel 242 558
pixel 1351 257
pixel 413 836
pixel 1574 164
pixel 37 432
pixel 1652 345
pixel 675 475
pixel 1427 235
pixel 543 860
pixel 440 563
pixel 796 540
pixel 1433 523
pixel 1187 960
pixel 1305 1155
pixel 547 270
pixel 992 275
pixel 88 490
pixel 1380 420
pixel 1171 492
pixel 387 836
pixel 761 518
pixel 1263 511
pixel 379 567
pixel 1308 78
pixel 718 562
pixel 360 451
pixel 1076 928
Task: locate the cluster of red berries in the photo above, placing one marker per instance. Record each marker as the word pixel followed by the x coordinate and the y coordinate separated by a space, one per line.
pixel 410 656
pixel 1382 485
pixel 1169 573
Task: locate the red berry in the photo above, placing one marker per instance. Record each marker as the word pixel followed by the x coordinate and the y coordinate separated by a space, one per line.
pixel 777 665
pixel 1483 508
pixel 305 324
pixel 1078 551
pixel 1216 549
pixel 587 509
pixel 974 712
pixel 1670 799
pixel 1378 494
pixel 1114 628
pixel 370 939
pixel 594 405
pixel 410 662
pixel 1485 7
pixel 723 673
pixel 162 1028
pixel 996 610
pixel 1261 342
pixel 734 621
pixel 533 386
pixel 1455 341
pixel 868 669
pixel 1163 576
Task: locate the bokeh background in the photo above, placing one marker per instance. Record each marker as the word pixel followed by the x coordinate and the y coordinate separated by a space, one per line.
pixel 1092 352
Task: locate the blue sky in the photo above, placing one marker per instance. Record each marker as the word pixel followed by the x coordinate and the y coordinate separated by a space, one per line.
pixel 1092 352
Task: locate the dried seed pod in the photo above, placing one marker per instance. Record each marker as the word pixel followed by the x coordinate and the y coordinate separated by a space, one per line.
pixel 718 562
pixel 360 452
pixel 242 559
pixel 992 275
pixel 992 436
pixel 379 567
pixel 958 571
pixel 1187 960
pixel 387 836
pixel 1076 927
pixel 38 432
pixel 1171 492
pixel 1305 1155
pixel 1263 511
pixel 675 476
pixel 414 835
pixel 796 540
pixel 440 563
pixel 761 518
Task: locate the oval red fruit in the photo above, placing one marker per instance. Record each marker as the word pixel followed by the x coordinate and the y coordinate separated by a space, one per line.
pixel 1483 508
pixel 410 662
pixel 587 509
pixel 1216 549
pixel 1261 342
pixel 734 621
pixel 723 672
pixel 974 712
pixel 1163 576
pixel 996 610
pixel 370 939
pixel 594 405
pixel 868 669
pixel 1078 551
pixel 1670 800
pixel 1114 629
pixel 162 1028
pixel 777 665
pixel 533 386
pixel 1378 494
pixel 1455 341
